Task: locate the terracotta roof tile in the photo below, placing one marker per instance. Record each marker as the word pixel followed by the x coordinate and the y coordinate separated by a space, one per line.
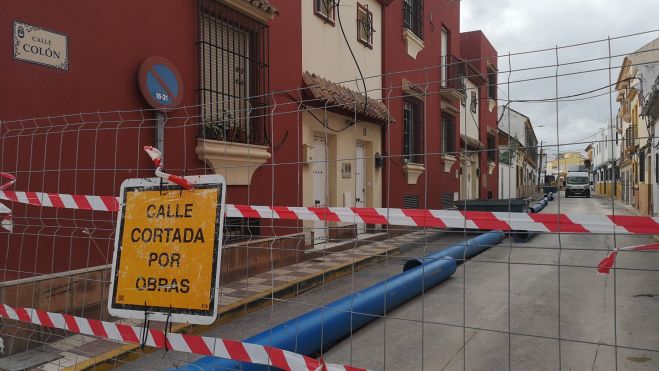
pixel 472 144
pixel 342 98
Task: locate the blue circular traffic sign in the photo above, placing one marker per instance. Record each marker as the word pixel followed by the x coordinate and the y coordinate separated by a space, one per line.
pixel 160 83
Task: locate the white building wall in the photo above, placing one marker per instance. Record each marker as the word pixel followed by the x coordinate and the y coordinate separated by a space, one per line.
pixel 324 50
pixel 507 182
pixel 513 123
pixel 470 123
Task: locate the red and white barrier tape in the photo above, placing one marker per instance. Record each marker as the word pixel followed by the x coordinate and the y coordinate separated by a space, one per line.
pixel 203 345
pixel 484 220
pixel 6 220
pixel 12 180
pixel 607 263
pixel 156 157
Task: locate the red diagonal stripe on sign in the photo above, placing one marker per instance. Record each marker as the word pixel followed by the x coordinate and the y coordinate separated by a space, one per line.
pixel 558 222
pixel 324 213
pixel 247 211
pixel 369 215
pixel 635 224
pixel 423 218
pixel 486 220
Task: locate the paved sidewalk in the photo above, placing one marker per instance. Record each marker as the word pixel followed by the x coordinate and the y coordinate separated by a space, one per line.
pixel 79 352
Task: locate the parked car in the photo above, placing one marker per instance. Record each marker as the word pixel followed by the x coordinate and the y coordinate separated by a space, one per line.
pixel 577 183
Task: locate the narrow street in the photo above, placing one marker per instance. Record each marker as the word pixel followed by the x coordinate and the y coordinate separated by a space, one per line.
pixel 512 296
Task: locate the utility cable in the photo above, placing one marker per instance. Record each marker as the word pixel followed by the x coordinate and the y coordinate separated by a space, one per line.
pixel 361 75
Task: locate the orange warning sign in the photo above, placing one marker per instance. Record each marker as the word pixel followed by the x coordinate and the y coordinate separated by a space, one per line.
pixel 168 250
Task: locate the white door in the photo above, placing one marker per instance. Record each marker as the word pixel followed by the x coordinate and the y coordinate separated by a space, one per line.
pixel 474 180
pixel 360 191
pixel 319 185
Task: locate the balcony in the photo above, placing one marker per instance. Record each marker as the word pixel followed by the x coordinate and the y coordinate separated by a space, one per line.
pixel 629 140
pixel 453 86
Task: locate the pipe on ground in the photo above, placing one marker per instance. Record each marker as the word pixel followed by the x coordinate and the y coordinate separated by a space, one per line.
pixel 522 236
pixel 323 327
pixel 462 251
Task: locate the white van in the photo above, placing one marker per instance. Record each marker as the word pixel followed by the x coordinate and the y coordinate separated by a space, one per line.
pixel 577 183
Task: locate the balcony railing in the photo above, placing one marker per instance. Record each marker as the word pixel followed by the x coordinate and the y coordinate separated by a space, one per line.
pixel 630 138
pixel 413 16
pixel 453 79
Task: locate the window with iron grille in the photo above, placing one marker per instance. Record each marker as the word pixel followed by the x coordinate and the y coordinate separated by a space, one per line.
pixel 474 102
pixel 239 229
pixel 448 134
pixel 492 83
pixel 325 10
pixel 410 202
pixel 491 148
pixel 641 168
pixel 233 55
pixel 412 130
pixel 413 16
pixel 365 25
pixel 447 200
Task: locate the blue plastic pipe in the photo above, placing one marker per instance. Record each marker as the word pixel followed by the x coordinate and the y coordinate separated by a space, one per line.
pixel 523 236
pixel 461 251
pixel 323 327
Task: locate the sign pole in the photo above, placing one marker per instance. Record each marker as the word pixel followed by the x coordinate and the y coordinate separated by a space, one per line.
pixel 160 135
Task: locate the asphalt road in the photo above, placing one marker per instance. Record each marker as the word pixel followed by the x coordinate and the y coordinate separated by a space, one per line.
pixel 505 309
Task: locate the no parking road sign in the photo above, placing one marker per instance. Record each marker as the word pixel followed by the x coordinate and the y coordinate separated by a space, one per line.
pixel 167 250
pixel 160 83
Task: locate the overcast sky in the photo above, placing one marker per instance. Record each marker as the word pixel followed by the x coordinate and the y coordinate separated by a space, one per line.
pixel 522 26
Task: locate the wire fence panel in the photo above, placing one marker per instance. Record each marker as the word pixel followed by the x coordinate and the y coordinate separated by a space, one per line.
pixel 414 219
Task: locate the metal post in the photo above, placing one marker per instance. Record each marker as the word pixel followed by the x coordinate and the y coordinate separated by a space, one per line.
pixel 160 135
pixel 539 165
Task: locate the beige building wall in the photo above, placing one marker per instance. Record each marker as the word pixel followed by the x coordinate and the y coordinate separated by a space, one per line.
pixel 341 149
pixel 324 50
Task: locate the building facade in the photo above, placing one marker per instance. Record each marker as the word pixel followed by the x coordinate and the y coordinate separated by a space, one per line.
pixel 270 96
pixel 605 156
pixel 523 151
pixel 637 73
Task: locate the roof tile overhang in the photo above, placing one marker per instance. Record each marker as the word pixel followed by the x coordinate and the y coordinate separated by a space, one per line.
pixel 472 144
pixel 340 99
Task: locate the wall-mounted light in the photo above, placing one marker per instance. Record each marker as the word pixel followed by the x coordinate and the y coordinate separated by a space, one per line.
pixel 379 160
